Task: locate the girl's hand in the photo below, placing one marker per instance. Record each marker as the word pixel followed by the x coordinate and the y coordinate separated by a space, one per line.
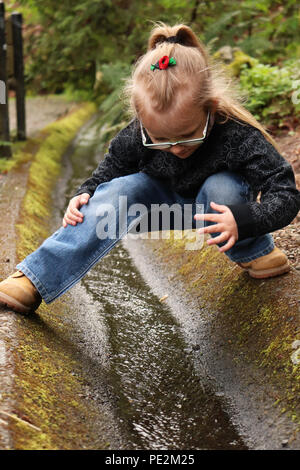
pixel 226 224
pixel 72 214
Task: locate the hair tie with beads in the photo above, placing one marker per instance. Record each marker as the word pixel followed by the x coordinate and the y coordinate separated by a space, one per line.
pixel 163 63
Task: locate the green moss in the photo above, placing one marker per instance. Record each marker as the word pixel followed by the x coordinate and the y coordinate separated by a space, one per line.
pixel 48 385
pixel 48 391
pixel 19 156
pixel 45 168
pixel 22 152
pixel 240 61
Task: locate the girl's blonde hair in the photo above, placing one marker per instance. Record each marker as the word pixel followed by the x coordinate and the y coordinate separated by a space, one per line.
pixel 196 70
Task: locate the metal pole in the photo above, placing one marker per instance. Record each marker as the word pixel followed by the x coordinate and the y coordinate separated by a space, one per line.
pixel 5 150
pixel 16 19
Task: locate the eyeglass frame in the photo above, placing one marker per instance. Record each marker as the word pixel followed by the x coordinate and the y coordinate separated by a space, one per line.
pixel 179 142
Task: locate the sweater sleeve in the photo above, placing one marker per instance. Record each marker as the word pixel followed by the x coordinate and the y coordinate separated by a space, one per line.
pixel 122 159
pixel 267 171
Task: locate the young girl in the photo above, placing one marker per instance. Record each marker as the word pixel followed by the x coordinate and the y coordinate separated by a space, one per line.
pixel 190 141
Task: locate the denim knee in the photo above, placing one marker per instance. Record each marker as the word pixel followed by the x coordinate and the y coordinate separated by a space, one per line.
pixel 137 187
pixel 224 188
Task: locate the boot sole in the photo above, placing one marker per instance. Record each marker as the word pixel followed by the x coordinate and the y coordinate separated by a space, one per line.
pixel 14 304
pixel 265 273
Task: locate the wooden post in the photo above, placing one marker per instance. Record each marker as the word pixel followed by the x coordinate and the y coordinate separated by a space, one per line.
pixel 16 19
pixel 5 150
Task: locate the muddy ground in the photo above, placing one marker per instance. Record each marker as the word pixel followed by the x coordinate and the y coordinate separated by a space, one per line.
pixel 288 238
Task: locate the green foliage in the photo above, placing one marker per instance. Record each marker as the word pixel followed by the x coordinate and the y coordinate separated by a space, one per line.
pixel 112 102
pixel 65 41
pixel 270 90
pixel 113 74
pixel 267 30
pixel 85 47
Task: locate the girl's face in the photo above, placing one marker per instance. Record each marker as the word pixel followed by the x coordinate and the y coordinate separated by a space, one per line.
pixel 177 124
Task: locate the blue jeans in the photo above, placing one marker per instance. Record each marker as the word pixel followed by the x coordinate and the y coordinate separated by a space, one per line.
pixel 70 252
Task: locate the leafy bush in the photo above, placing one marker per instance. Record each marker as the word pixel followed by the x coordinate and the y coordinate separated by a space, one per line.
pixel 111 82
pixel 270 90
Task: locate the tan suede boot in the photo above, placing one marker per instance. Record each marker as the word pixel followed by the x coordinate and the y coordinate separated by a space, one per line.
pixel 270 265
pixel 18 293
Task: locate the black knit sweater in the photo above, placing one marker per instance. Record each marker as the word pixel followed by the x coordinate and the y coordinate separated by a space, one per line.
pixel 232 146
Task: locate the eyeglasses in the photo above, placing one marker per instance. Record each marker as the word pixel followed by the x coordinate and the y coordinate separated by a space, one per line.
pixel 167 145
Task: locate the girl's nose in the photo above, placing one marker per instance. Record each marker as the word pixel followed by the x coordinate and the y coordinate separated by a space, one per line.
pixel 177 149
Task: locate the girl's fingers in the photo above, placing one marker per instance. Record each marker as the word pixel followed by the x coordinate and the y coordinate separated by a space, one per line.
pixel 69 220
pixel 214 206
pixel 74 214
pixel 228 245
pixel 221 238
pixel 70 216
pixel 75 211
pixel 75 205
pixel 212 228
pixel 211 217
pixel 85 199
pixel 218 207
